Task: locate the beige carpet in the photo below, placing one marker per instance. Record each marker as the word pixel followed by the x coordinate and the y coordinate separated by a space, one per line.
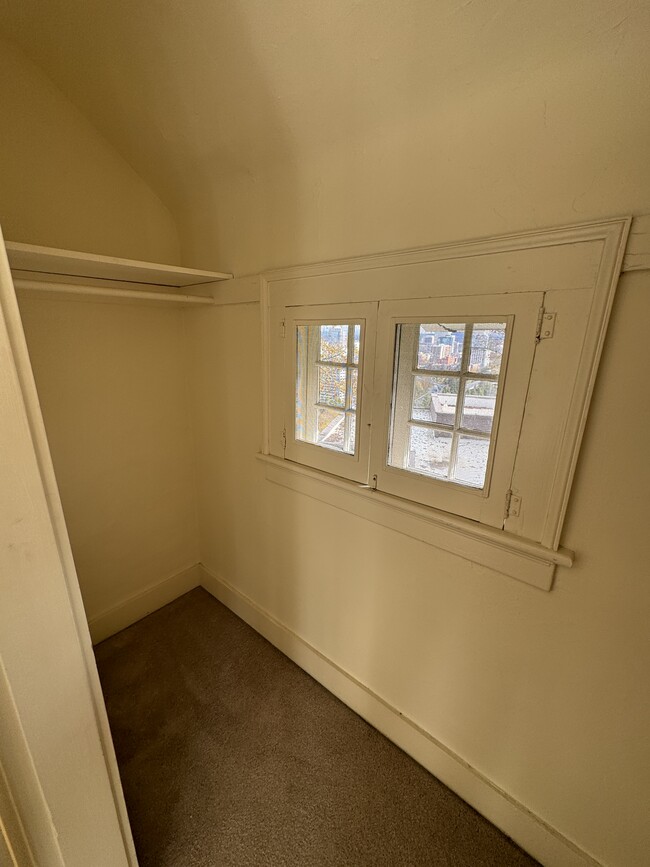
pixel 232 755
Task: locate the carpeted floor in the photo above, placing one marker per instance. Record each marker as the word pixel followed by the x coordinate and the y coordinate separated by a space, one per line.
pixel 231 755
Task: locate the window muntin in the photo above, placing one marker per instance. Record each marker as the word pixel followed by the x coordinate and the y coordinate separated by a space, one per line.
pixel 327 372
pixel 446 384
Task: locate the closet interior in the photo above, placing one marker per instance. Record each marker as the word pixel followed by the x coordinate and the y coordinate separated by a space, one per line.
pixel 107 345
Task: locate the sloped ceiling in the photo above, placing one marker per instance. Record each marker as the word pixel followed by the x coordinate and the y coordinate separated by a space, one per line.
pixel 174 84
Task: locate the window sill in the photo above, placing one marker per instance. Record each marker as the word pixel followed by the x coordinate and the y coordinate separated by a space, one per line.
pixel 517 558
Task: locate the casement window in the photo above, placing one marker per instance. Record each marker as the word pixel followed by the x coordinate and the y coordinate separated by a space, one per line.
pixel 445 388
pixel 327 399
pixel 421 399
pixel 451 379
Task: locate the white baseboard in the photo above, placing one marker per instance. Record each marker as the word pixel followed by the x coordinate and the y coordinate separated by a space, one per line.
pixel 534 835
pixel 137 606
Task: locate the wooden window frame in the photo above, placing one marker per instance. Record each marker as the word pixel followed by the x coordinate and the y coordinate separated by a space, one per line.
pixel 486 505
pixel 351 466
pixel 576 269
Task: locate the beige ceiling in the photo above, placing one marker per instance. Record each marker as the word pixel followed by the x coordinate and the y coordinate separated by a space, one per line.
pixel 179 85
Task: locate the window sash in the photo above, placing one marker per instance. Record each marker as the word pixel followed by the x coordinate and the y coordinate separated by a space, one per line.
pixel 318 455
pixel 407 367
pixel 519 312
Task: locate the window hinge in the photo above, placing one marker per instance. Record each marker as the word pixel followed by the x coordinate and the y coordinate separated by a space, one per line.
pixel 513 505
pixel 545 325
pixel 283 328
pixel 284 439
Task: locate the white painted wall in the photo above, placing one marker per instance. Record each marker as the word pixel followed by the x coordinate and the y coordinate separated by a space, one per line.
pixel 109 377
pixel 62 184
pixel 111 382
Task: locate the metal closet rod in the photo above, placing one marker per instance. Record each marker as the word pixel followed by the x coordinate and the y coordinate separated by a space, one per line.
pixel 108 292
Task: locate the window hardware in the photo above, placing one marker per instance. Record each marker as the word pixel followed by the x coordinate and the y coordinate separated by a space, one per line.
pixel 513 505
pixel 545 325
pixel 372 486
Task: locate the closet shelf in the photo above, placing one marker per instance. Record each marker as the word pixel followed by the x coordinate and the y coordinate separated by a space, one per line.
pixel 69 263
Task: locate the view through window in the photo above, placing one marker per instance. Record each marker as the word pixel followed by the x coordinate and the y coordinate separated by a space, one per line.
pixel 446 384
pixel 327 374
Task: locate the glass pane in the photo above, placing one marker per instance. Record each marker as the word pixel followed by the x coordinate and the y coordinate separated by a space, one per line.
pixel 478 405
pixel 333 343
pixel 429 451
pixel 330 428
pixel 487 347
pixel 357 344
pixel 434 398
pixel 331 385
pixel 471 461
pixel 354 379
pixel 440 345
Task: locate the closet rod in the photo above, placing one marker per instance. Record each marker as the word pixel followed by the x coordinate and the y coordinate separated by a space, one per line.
pixel 108 292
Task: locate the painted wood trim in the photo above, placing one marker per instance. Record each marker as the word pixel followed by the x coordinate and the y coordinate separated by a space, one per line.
pixel 579 233
pixel 637 253
pixel 511 555
pixel 29 396
pixel 609 272
pixel 75 290
pixel 25 818
pixel 530 831
pixel 138 605
pixel 52 260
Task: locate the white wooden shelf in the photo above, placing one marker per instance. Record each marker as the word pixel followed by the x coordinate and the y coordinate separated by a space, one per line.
pixel 50 260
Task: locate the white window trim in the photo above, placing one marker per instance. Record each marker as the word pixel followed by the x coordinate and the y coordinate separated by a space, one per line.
pixel 586 257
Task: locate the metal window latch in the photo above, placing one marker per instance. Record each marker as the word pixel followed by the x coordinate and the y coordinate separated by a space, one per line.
pixel 372 486
pixel 283 328
pixel 545 325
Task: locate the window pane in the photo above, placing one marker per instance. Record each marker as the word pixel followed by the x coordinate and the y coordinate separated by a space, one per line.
pixel 357 344
pixel 440 346
pixel 323 394
pixel 334 343
pixel 434 399
pixel 487 347
pixel 331 385
pixel 429 451
pixel 354 378
pixel 471 460
pixel 478 405
pixel 330 428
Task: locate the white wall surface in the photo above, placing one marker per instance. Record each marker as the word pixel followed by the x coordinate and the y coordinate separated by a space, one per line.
pixel 111 383
pixel 109 377
pixel 62 184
